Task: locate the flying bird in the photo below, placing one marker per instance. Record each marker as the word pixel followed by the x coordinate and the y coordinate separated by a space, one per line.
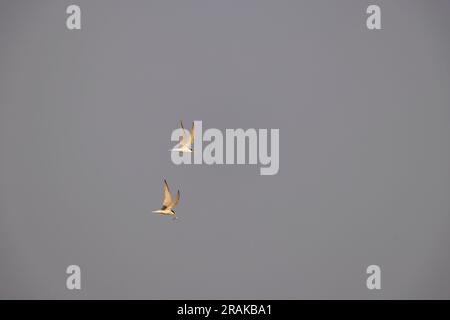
pixel 168 204
pixel 186 145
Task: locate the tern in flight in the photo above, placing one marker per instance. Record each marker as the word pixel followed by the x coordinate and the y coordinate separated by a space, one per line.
pixel 168 204
pixel 186 145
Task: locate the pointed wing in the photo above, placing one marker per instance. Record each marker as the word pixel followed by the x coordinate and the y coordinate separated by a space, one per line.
pixel 175 202
pixel 192 134
pixel 167 196
pixel 184 140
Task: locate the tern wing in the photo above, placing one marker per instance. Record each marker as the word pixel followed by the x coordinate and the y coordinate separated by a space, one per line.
pixel 192 134
pixel 175 202
pixel 167 196
pixel 184 139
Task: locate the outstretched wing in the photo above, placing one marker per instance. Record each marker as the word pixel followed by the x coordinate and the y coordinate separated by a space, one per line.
pixel 192 134
pixel 175 202
pixel 167 196
pixel 184 140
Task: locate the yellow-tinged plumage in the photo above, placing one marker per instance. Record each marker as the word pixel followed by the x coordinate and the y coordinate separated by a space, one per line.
pixel 192 135
pixel 186 144
pixel 167 196
pixel 168 204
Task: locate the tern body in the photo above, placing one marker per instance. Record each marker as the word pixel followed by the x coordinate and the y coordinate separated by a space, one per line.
pixel 168 203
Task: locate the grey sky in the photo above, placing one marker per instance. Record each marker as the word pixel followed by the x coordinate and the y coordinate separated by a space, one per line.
pixel 85 124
